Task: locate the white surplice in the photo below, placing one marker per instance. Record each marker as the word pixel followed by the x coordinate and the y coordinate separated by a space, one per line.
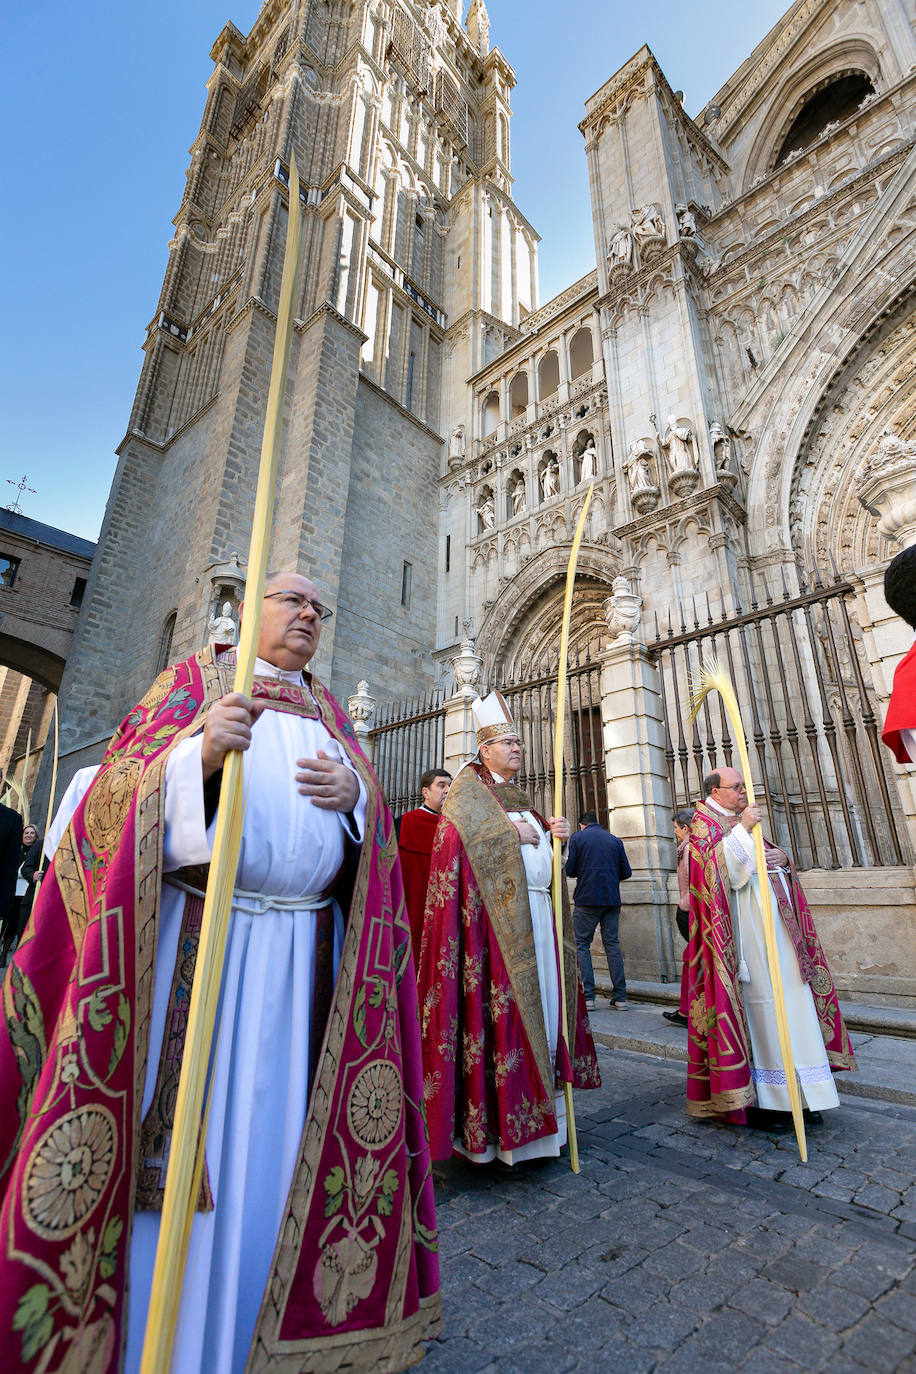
pixel 538 861
pixel 259 1092
pixel 808 1052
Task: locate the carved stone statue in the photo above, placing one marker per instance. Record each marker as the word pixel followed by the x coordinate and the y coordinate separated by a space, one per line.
pixel 887 488
pixel 486 513
pixel 649 226
pixel 222 629
pixel 620 248
pixel 678 441
pixel 721 448
pixel 456 447
pixel 550 480
pixel 519 497
pixel 638 467
pixel 589 462
pixel 686 222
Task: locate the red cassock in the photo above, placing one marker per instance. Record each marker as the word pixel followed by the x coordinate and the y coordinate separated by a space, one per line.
pixel 415 845
pixel 488 1079
pixel 901 709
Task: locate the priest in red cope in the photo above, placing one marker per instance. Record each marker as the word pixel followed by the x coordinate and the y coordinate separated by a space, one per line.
pixel 416 831
pixel 495 1055
pixel 899 732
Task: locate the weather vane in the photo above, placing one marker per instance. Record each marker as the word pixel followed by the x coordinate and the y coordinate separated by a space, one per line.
pixel 20 487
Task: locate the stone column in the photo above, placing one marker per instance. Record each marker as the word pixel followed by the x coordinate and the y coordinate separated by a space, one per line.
pixel 640 804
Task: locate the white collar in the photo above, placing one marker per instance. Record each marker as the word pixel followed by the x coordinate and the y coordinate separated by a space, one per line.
pixel 721 809
pixel 264 669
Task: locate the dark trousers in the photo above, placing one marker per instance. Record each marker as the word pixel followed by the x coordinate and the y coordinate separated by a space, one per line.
pixel 586 920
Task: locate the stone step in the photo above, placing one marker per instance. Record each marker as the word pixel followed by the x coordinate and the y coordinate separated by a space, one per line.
pixel 887 1063
pixel 861 1016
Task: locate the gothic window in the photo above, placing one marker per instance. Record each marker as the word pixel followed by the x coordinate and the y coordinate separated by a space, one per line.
pixel 165 642
pixel 836 100
pixel 518 395
pixel 581 353
pixel 9 567
pixel 548 376
pixel 490 413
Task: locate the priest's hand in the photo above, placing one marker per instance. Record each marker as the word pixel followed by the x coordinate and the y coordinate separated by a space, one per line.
pixel 332 786
pixel 227 726
pixel 750 817
pixel 559 828
pixel 527 833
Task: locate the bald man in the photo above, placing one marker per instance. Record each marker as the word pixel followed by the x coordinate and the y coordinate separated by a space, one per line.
pixel 735 1068
pixel 314 1238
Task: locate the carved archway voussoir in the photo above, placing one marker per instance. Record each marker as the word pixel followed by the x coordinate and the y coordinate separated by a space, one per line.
pixel 531 584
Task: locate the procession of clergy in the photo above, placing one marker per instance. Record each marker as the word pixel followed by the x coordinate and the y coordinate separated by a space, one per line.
pixel 314 1244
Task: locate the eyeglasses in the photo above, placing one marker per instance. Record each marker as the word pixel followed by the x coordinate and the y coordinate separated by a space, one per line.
pixel 732 787
pixel 297 600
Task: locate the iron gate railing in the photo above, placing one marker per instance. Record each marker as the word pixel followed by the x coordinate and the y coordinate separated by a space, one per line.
pixel 404 746
pixel 533 705
pixel 806 706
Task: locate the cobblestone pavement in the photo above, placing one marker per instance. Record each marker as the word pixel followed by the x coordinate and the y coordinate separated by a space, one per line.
pixel 684 1246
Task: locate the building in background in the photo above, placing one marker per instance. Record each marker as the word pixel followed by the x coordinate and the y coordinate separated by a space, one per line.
pixel 735 377
pixel 43 573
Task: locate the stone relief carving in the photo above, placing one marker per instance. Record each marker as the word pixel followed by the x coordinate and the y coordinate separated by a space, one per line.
pixel 887 488
pixel 649 228
pixel 622 610
pixel 519 496
pixel 361 709
pixel 467 664
pixel 486 511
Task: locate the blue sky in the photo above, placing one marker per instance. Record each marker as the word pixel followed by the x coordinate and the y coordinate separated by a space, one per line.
pixel 104 101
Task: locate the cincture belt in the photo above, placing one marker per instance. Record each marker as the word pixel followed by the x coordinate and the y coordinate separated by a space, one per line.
pixel 256 903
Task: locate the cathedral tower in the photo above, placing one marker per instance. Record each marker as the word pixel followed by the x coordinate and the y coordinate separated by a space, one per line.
pixel 416 267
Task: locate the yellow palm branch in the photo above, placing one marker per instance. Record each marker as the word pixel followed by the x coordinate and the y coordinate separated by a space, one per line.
pixel 557 884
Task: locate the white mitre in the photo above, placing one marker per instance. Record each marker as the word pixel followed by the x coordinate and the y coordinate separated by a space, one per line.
pixel 492 717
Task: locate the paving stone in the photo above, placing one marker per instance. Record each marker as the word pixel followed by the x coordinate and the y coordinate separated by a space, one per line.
pixel 663 1326
pixel 900 1308
pixel 879 1345
pixel 766 1302
pixel 802 1340
pixel 834 1307
pixel 684 1248
pixel 794 1272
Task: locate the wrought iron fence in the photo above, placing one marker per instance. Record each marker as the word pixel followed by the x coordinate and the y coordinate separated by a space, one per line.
pixel 533 705
pixel 405 745
pixel 803 683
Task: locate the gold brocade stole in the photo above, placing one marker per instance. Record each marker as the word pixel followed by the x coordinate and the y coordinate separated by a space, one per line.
pixel 156 1129
pixel 492 846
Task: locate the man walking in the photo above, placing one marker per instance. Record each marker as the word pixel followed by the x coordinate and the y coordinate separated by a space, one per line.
pixel 10 859
pixel 598 862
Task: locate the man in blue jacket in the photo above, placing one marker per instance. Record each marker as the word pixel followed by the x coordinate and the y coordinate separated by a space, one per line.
pixel 598 862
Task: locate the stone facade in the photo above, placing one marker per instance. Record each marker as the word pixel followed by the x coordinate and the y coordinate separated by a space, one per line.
pixel 735 376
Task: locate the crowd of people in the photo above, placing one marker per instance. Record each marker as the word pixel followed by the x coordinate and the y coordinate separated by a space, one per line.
pixel 392 995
